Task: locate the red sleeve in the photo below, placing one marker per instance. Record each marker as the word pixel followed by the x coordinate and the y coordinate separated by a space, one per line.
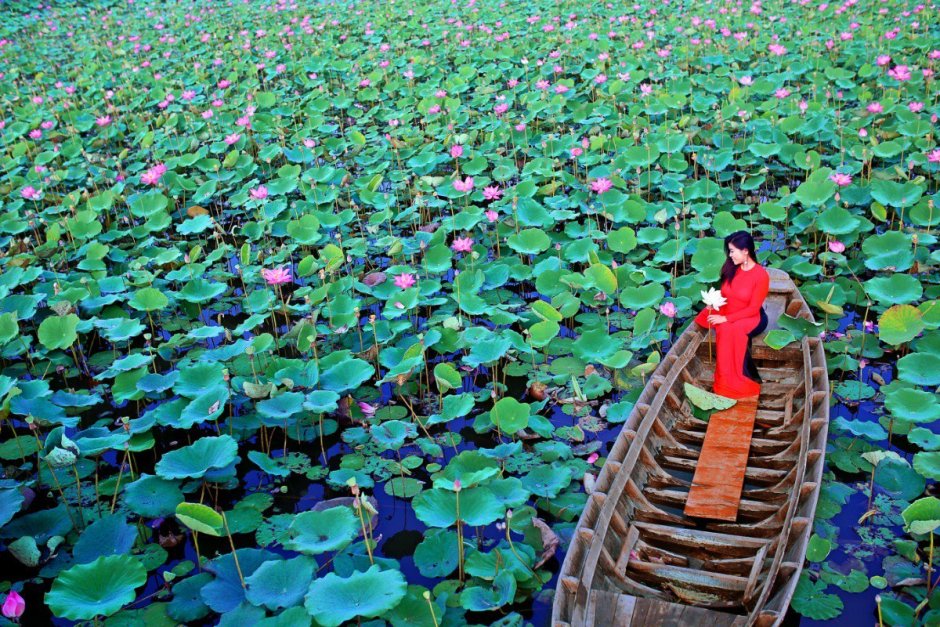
pixel 761 287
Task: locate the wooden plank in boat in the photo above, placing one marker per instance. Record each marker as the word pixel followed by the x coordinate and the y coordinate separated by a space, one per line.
pixel 624 610
pixel 719 474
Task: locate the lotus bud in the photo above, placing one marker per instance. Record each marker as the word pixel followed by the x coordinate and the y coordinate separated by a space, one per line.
pixel 457 485
pixel 508 514
pixel 427 595
pixel 283 489
pixel 367 505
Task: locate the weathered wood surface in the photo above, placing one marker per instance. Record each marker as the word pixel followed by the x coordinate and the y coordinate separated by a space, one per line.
pixel 611 609
pixel 719 472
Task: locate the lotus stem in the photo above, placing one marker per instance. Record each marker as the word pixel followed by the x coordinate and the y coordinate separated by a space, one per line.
pixel 357 505
pixel 196 545
pixel 117 486
pixel 427 597
pixel 460 555
pixel 78 488
pixel 930 564
pixel 516 553
pixel 231 542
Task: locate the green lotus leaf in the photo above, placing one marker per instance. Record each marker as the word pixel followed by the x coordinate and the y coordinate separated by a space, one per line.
pixel 811 600
pixel 643 296
pixel 446 377
pixel 920 369
pixel 282 406
pixel 199 458
pixel 837 221
pixel 899 479
pixel 469 467
pixel 332 599
pixel 912 405
pixel 197 379
pixel 890 250
pixel 492 597
pixel 547 480
pixel 892 194
pixel 148 299
pixel 109 535
pixel 280 583
pixel 438 508
pixel 344 374
pixel 201 518
pixel 201 291
pixel 392 434
pixel 900 324
pixel 529 241
pixel 99 588
pixel 332 529
pixel 923 515
pixel 509 415
pixel 152 497
pixel 927 464
pixel 778 338
pixel 816 189
pixel 10 501
pixel 898 289
pixel 58 331
pixel 437 554
pixel 9 328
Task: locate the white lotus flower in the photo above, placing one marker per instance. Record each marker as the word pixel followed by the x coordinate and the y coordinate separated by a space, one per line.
pixel 713 298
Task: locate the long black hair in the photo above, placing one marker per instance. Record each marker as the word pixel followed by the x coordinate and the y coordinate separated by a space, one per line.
pixel 741 240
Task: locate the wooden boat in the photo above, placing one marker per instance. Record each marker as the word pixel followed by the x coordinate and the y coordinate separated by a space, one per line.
pixel 636 558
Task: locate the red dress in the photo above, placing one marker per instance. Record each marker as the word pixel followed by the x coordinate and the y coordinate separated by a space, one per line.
pixel 735 373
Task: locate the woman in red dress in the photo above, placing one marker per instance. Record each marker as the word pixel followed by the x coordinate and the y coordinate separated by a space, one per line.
pixel 744 284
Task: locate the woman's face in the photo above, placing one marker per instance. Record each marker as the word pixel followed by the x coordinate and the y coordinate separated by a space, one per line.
pixel 737 255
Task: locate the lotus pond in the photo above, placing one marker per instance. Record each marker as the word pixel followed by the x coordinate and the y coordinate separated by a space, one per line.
pixel 329 314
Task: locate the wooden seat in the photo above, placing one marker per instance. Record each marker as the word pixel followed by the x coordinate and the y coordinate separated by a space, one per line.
pixel 719 473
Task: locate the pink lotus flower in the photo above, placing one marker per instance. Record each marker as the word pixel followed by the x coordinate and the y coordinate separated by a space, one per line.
pixel 153 175
pixel 862 133
pixel 781 93
pixel 841 179
pixel 259 193
pixel 746 80
pixel 231 139
pixel 492 192
pixel 900 73
pixel 576 152
pixel 35 134
pixel 277 276
pixel 520 126
pixel 404 281
pixel 601 185
pixel 30 193
pixel 465 185
pixel 593 457
pixel 874 107
pixel 934 156
pixel 456 151
pixel 915 107
pixel 836 246
pixel 491 215
pixel 188 95
pixel 366 408
pixel 103 120
pixel 668 309
pixel 462 245
pixel 883 59
pixel 14 605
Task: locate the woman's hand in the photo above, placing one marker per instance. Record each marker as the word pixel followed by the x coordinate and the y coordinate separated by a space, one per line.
pixel 716 319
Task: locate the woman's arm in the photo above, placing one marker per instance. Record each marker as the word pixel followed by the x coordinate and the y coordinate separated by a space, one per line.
pixel 757 299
